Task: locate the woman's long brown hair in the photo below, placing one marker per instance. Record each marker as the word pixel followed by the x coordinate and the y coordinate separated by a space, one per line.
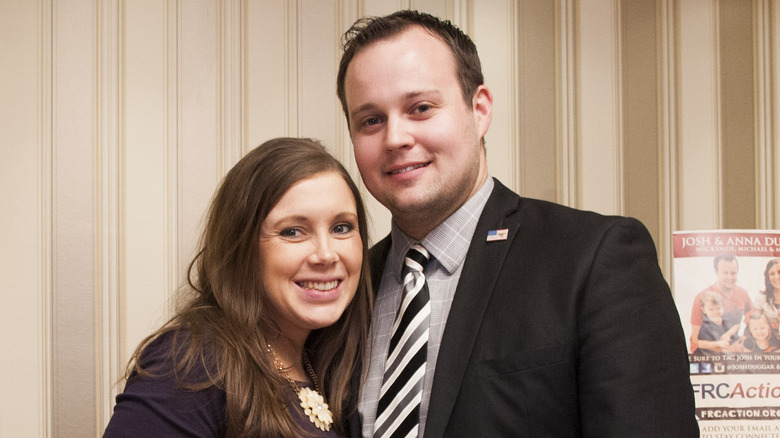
pixel 222 326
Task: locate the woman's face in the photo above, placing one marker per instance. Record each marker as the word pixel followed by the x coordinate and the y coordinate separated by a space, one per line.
pixel 759 328
pixel 311 255
pixel 774 276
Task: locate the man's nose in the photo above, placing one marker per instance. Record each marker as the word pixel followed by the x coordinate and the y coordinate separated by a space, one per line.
pixel 398 134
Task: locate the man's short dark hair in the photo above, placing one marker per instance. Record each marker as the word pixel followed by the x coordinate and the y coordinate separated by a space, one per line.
pixel 727 256
pixel 367 31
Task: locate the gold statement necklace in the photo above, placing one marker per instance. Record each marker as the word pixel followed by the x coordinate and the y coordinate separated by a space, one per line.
pixel 312 402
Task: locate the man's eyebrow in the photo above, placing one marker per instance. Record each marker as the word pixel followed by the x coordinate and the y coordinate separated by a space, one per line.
pixel 408 96
pixel 362 108
pixel 418 93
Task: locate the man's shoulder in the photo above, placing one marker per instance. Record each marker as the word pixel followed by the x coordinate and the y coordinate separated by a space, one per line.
pixel 551 218
pixel 548 212
pixel 739 290
pixel 707 289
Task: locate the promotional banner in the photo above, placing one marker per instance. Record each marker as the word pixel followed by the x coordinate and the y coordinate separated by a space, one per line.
pixel 727 289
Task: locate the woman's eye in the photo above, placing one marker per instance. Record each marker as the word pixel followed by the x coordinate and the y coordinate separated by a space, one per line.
pixel 343 228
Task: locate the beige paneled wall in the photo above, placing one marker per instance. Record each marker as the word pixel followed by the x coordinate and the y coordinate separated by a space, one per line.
pixel 25 221
pixel 738 119
pixel 641 99
pixel 119 117
pixel 599 106
pixel 768 116
pixel 767 49
pixel 76 215
pixel 700 146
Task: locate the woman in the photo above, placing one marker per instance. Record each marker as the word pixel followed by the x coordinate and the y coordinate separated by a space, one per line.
pixel 768 300
pixel 759 336
pixel 277 313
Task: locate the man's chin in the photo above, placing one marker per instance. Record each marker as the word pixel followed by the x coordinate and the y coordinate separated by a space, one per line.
pixel 406 202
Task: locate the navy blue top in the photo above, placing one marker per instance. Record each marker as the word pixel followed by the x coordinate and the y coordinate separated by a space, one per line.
pixel 158 406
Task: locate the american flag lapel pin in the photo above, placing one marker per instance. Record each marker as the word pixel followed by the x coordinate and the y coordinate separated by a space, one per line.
pixel 494 235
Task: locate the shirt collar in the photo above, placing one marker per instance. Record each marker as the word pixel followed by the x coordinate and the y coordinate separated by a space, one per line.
pixel 449 242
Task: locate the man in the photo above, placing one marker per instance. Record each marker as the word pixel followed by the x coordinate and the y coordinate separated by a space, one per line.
pixel 736 301
pixel 544 321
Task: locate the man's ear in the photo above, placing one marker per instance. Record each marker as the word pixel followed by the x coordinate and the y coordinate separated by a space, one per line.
pixel 482 105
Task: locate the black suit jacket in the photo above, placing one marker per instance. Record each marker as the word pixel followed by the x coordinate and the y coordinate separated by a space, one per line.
pixel 566 328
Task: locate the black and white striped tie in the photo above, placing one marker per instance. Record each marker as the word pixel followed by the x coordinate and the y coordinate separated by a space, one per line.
pixel 398 412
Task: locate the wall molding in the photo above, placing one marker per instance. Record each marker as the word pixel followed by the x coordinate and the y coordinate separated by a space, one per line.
pixel 172 128
pixel 107 257
pixel 231 83
pixel 774 13
pixel 45 207
pixel 291 66
pixel 668 97
pixel 568 145
pixel 347 12
pixel 765 114
pixel 619 123
pixel 462 13
pixel 514 8
pixel 718 113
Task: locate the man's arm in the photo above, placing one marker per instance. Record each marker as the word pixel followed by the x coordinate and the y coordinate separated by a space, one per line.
pixel 633 373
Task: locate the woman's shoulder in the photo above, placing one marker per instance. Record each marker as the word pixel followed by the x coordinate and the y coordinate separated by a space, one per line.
pixel 161 397
pixel 157 354
pixel 178 353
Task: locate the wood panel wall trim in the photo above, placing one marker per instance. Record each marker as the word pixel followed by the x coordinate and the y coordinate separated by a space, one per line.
pixel 567 135
pixel 765 114
pixel 107 205
pixel 45 206
pixel 619 124
pixel 348 11
pixel 514 9
pixel 718 116
pixel 231 82
pixel 774 13
pixel 291 67
pixel 172 129
pixel 462 14
pixel 668 98
pixel 699 141
pixel 172 150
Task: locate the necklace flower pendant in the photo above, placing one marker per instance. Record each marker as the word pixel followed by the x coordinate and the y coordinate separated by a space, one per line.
pixel 315 407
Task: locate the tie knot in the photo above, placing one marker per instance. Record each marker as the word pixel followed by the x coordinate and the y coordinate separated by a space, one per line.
pixel 417 258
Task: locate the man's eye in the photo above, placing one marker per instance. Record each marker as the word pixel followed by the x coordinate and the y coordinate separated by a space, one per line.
pixel 423 108
pixel 290 232
pixel 371 121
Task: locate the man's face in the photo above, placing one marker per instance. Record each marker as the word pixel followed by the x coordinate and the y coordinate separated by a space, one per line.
pixel 417 143
pixel 727 275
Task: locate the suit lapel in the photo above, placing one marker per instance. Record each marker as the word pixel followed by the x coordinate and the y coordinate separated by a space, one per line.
pixel 484 261
pixel 378 257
